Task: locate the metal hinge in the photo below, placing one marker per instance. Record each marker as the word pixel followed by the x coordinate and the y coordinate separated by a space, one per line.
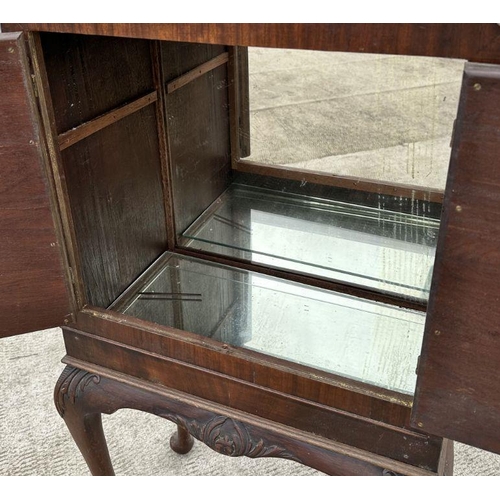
pixel 453 132
pixel 33 81
pixel 71 275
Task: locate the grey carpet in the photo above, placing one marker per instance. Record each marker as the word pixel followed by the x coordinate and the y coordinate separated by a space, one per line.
pixel 34 440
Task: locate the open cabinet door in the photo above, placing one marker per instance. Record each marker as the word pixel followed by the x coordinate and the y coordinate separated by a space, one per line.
pixel 458 387
pixel 33 290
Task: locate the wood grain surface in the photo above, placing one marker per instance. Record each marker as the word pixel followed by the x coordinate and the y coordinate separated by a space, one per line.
pixel 113 176
pixel 114 183
pixel 198 130
pixel 184 79
pixel 90 76
pixel 327 389
pixel 33 287
pixel 457 391
pixel 86 129
pixel 85 391
pixel 473 42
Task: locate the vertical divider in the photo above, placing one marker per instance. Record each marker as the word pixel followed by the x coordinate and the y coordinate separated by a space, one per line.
pixel 166 163
pixel 239 103
pixel 244 102
pixel 234 105
pixel 163 144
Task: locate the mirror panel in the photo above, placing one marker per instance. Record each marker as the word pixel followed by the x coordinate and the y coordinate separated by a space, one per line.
pixel 381 117
pixel 355 338
pixel 347 160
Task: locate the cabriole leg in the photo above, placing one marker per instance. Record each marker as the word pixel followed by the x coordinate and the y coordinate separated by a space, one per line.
pixel 75 403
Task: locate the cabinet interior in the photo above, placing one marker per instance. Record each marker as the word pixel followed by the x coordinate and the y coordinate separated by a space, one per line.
pixel 172 225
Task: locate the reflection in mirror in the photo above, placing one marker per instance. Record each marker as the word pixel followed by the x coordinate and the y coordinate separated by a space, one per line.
pixel 365 245
pixel 359 339
pixel 381 117
pixel 346 160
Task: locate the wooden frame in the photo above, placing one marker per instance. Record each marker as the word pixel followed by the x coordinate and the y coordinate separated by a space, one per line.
pixel 342 181
pixel 28 266
pixel 85 391
pixel 473 42
pixel 67 139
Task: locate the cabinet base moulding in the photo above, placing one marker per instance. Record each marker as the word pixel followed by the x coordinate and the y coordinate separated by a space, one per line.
pixel 83 393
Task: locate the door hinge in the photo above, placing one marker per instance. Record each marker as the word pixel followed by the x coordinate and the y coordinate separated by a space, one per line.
pixel 418 366
pixel 33 82
pixel 71 275
pixel 452 138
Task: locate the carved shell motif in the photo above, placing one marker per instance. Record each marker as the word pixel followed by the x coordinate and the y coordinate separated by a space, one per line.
pixel 229 437
pixel 70 385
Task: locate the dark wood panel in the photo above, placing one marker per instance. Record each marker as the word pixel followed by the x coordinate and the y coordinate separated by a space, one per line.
pixel 188 77
pixel 91 75
pixel 458 389
pixel 365 434
pixel 367 401
pixel 243 101
pixel 341 181
pixel 180 58
pixel 163 143
pixel 225 430
pixel 115 189
pixel 474 42
pixel 198 131
pixel 33 289
pixel 40 80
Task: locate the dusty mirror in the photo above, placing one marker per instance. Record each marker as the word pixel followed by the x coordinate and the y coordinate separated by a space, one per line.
pixel 341 168
pixel 361 340
pixel 379 117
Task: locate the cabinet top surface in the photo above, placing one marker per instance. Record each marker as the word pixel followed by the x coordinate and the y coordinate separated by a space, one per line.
pixel 474 42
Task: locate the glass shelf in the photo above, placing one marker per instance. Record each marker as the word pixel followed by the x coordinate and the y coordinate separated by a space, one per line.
pixel 355 338
pixel 368 246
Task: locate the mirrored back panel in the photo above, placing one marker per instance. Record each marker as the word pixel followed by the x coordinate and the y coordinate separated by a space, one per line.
pixel 337 170
pixel 378 117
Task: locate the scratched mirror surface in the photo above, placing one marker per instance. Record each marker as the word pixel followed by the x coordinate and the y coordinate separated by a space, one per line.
pixel 373 116
pixel 351 337
pixel 340 166
pixel 366 245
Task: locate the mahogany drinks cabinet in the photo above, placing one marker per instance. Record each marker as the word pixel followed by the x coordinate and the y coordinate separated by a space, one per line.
pixel 241 300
